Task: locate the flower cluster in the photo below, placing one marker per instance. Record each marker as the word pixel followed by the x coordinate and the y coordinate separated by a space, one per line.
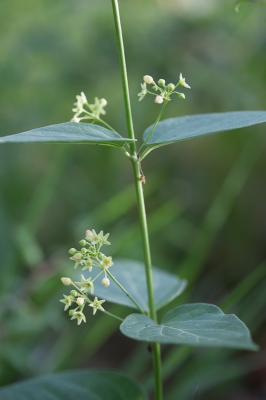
pixel 163 92
pixel 92 111
pixel 87 257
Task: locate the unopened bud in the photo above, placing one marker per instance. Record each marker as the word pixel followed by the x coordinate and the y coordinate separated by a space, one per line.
pixel 83 250
pixel 88 233
pixel 158 100
pixel 74 293
pixel 66 281
pixel 181 96
pixel 72 251
pixel 80 301
pixel 82 242
pixel 75 119
pixel 171 86
pixel 148 79
pixel 106 282
pixel 71 312
pixel 161 82
pixel 103 102
pixel 77 256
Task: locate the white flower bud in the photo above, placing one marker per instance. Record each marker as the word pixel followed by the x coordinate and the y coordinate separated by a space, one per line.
pixel 103 102
pixel 77 256
pixel 88 233
pixel 66 281
pixel 83 98
pixel 80 301
pixel 158 100
pixel 148 79
pixel 106 282
pixel 75 119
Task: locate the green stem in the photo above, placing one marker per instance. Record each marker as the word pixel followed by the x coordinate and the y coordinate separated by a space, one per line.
pixel 97 276
pixel 124 290
pixel 123 67
pixel 140 200
pixel 112 315
pixel 76 287
pixel 154 126
pixel 150 289
pixel 105 124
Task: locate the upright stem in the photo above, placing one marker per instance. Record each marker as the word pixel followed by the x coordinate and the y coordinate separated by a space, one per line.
pixel 140 199
pixel 119 36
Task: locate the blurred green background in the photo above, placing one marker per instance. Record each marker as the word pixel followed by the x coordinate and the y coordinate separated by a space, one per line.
pixel 205 197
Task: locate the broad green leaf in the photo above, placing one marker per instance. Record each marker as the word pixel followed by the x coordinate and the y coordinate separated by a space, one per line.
pixel 131 275
pixel 240 2
pixel 191 324
pixel 81 385
pixel 68 132
pixel 174 129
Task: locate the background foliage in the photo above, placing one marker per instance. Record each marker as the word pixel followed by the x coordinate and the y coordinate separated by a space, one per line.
pixel 205 198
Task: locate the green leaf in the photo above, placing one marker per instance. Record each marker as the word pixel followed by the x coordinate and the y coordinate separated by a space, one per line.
pixel 69 132
pixel 191 324
pixel 238 3
pixel 131 275
pixel 174 129
pixel 81 385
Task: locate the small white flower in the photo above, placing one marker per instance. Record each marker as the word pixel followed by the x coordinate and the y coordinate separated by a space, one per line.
pixel 97 305
pixel 79 316
pixel 107 261
pixel 143 92
pixel 106 282
pixel 66 281
pixel 182 81
pixel 88 264
pixel 86 284
pixel 103 102
pixel 95 237
pixel 83 98
pixel 67 301
pixel 148 79
pixel 98 107
pixel 158 100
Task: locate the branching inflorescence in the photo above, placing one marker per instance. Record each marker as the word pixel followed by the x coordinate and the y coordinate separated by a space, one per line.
pixel 87 257
pixel 84 110
pixel 162 91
